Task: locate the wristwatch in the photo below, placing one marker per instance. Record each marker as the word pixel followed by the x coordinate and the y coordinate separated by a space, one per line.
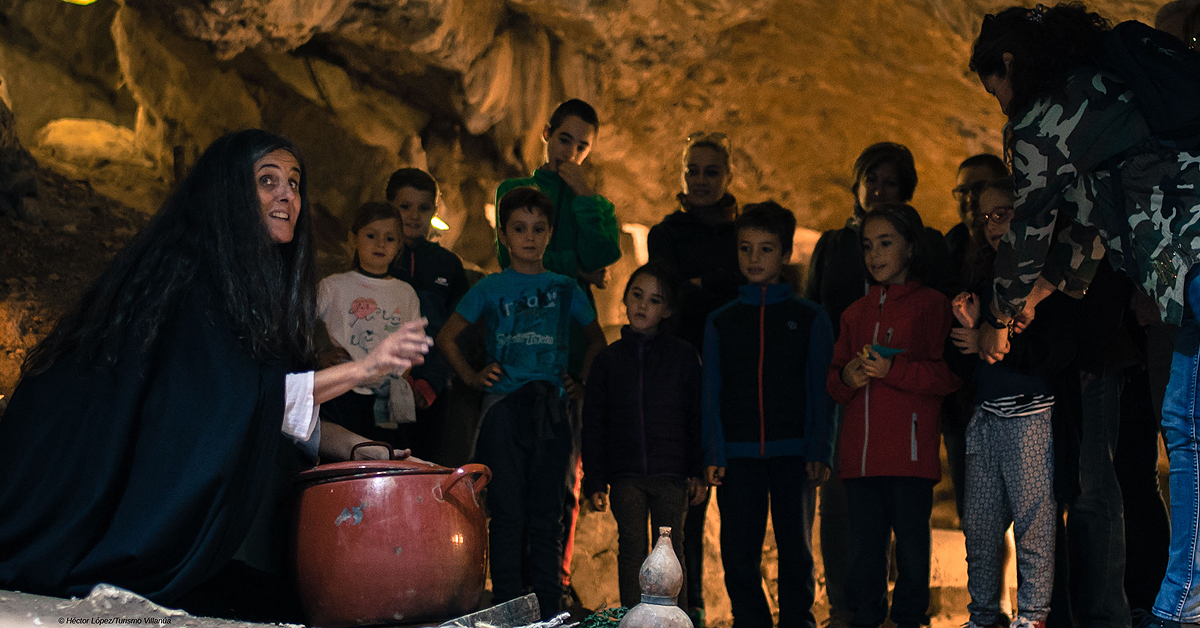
pixel 992 320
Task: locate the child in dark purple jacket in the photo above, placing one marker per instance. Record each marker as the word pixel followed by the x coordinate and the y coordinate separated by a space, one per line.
pixel 641 428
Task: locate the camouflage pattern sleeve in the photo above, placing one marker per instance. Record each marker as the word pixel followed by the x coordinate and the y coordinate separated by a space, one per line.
pixel 1023 250
pixel 1074 258
pixel 1054 144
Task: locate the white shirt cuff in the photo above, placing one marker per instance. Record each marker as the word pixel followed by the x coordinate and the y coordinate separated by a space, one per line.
pixel 299 410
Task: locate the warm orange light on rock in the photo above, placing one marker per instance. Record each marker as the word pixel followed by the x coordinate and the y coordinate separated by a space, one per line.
pixel 79 2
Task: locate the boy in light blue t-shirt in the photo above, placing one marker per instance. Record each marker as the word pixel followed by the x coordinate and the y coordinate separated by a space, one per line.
pixel 525 436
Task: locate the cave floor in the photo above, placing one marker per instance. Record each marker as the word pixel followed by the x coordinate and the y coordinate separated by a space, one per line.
pixel 121 609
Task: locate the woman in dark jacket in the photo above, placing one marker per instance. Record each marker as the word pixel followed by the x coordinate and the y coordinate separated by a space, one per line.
pixel 698 242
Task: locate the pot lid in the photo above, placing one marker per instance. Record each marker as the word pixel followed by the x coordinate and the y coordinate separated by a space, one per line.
pixel 368 468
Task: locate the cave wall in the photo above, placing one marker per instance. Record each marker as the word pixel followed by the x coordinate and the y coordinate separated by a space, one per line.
pixel 363 87
pixel 463 87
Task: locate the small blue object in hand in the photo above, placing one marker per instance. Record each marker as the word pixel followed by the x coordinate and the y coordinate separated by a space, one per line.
pixel 886 352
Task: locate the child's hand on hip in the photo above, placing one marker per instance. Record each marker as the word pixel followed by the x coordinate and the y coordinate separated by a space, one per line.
pixel 483 380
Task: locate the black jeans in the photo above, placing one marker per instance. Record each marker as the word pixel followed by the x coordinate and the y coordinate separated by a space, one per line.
pixel 1147 526
pixel 1095 517
pixel 879 507
pixel 662 500
pixel 750 487
pixel 525 500
pixel 356 413
pixel 693 551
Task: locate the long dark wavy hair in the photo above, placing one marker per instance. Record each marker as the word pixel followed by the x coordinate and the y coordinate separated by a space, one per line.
pixel 1046 45
pixel 208 232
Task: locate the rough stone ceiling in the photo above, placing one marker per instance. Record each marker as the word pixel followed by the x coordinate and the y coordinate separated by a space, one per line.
pixel 800 85
pixel 116 93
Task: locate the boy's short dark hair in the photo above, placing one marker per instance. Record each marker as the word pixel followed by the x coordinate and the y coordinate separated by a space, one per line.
pixel 666 281
pixel 772 218
pixel 522 198
pixel 577 108
pixel 411 178
pixel 986 160
pixel 887 152
pixel 370 212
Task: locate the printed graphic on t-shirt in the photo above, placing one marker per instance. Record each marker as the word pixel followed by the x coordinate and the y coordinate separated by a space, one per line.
pixel 528 321
pixel 370 324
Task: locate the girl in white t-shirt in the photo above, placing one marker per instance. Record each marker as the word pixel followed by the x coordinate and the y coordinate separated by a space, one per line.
pixel 360 308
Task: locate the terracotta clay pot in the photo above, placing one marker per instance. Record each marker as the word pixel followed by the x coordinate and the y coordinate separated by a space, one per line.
pixel 390 541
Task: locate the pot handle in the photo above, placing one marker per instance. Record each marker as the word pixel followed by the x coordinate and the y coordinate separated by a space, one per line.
pixel 372 443
pixel 480 476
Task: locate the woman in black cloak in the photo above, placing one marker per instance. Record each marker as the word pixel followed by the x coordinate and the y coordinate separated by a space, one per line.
pixel 153 428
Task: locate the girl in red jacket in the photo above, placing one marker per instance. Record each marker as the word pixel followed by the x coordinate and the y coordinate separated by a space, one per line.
pixel 889 372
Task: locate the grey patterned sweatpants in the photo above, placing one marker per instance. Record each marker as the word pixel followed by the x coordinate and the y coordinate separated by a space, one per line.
pixel 1010 479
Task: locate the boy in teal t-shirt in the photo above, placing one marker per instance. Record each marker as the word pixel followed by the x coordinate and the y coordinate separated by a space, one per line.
pixel 526 436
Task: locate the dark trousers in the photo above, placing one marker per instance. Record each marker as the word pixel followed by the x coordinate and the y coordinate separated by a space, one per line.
pixel 1095 517
pixel 356 413
pixel 955 416
pixel 525 500
pixel 572 486
pixel 693 551
pixel 428 433
pixel 751 487
pixel 835 538
pixel 1147 526
pixel 662 500
pixel 879 507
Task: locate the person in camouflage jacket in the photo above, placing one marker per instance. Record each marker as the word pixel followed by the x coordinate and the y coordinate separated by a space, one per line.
pixel 1091 178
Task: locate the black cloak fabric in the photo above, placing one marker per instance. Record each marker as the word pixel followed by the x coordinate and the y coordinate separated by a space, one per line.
pixel 146 475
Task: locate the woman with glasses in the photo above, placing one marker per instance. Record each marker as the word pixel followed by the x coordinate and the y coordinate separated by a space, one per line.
pixel 1180 18
pixel 1082 148
pixel 698 243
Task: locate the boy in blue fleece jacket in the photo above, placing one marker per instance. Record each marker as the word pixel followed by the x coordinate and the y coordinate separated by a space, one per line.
pixel 765 417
